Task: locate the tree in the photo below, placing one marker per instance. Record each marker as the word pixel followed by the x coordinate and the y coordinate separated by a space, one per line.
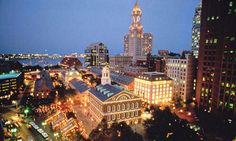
pixel 116 132
pixel 165 126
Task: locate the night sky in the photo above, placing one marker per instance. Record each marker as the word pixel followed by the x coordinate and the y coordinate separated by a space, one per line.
pixel 67 26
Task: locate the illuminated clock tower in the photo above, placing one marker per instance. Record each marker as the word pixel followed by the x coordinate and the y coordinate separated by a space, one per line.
pixel 137 43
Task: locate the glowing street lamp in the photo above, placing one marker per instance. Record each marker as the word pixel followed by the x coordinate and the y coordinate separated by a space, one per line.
pixel 56 135
pixel 44 124
pixel 26 111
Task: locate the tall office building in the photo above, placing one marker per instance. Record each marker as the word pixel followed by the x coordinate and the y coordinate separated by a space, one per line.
pixel 136 42
pixel 196 30
pixel 181 71
pixel 97 54
pixel 216 80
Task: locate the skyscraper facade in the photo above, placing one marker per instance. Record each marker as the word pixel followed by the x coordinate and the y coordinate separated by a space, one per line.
pixel 181 71
pixel 136 42
pixel 216 79
pixel 97 54
pixel 196 31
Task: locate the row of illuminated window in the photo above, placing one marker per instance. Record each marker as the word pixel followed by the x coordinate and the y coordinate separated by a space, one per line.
pixel 141 85
pixel 227 85
pixel 161 96
pixel 161 101
pixel 122 116
pixel 153 89
pixel 212 18
pixel 128 106
pixel 229 105
pixel 230 51
pixel 211 41
pixel 156 96
pixel 6 96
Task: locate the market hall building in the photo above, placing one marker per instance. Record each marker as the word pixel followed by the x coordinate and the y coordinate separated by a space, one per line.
pixel 112 103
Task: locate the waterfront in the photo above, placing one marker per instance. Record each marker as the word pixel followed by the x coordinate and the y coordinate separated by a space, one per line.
pixel 42 61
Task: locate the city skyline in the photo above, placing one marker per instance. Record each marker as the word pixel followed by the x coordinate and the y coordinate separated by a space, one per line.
pixel 62 27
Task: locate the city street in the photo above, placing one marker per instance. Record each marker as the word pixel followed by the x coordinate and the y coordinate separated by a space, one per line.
pixel 23 130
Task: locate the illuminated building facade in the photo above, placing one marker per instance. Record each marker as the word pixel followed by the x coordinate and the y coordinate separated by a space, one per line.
pixel 114 104
pixel 97 54
pixel 181 71
pixel 43 86
pixel 136 42
pixel 9 86
pixel 71 61
pixel 216 79
pixel 154 87
pixel 196 31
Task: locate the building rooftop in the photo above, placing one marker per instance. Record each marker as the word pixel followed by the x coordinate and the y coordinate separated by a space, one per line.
pixel 70 61
pixel 104 92
pixel 44 83
pixel 9 75
pixel 153 76
pixel 116 77
pixel 80 86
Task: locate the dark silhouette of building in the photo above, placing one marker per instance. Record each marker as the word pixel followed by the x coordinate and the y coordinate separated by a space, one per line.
pixel 8 65
pixel 151 62
pixel 216 77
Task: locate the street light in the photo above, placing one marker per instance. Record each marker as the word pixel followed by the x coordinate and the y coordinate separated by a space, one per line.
pixel 14 102
pixel 56 134
pixel 44 124
pixel 26 111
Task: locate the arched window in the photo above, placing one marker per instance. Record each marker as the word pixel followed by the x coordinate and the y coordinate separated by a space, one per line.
pixel 108 108
pixel 128 106
pixel 108 118
pixel 118 107
pixel 123 106
pixel 123 115
pixel 113 108
pixel 113 117
pixel 118 116
pixel 136 105
pixel 132 114
pixel 127 115
pixel 132 105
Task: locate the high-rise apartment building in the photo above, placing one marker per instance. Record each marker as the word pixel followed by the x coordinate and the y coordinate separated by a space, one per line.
pixel 136 42
pixel 97 54
pixel 196 31
pixel 181 71
pixel 216 79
